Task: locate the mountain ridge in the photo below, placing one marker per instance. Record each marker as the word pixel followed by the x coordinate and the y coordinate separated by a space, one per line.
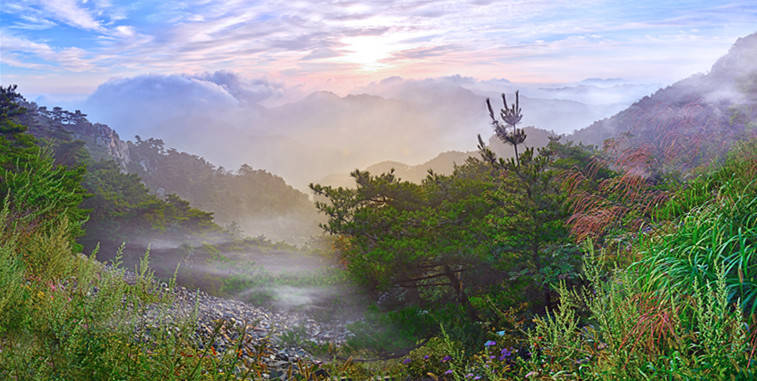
pixel 257 201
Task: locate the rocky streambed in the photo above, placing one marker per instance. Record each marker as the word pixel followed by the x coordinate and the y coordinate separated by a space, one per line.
pixel 272 340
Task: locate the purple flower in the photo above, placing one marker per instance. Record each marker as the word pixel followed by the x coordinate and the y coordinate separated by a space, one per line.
pixel 469 375
pixel 406 361
pixel 425 357
pixel 477 378
pixel 446 358
pixel 490 343
pixel 492 357
pixel 448 372
pixel 505 352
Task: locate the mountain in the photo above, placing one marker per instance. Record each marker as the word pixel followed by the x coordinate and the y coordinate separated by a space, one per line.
pixel 257 201
pixel 444 163
pixel 677 128
pixel 324 133
pixel 692 121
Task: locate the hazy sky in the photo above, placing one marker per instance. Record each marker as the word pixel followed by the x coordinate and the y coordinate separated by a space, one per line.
pixel 70 47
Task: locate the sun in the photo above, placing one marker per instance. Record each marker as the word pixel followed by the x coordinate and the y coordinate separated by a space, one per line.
pixel 369 52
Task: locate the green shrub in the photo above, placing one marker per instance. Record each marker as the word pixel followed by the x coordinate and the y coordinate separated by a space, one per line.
pixel 13 291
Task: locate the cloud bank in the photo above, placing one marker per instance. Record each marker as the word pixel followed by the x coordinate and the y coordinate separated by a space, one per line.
pixel 230 119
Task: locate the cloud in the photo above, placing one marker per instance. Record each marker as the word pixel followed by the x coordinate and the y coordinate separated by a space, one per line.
pixel 422 52
pixel 342 43
pixel 320 53
pixel 70 13
pixel 162 105
pixel 244 91
pixel 125 103
pixel 12 43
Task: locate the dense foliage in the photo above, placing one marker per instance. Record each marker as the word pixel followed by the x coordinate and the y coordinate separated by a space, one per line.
pixel 493 233
pixel 121 206
pixel 684 310
pixel 64 315
pixel 30 182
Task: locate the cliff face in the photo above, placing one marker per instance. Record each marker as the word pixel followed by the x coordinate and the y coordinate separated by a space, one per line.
pixel 102 142
pixel 691 121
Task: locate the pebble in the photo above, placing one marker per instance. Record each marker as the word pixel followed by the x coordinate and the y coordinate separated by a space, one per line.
pixel 260 325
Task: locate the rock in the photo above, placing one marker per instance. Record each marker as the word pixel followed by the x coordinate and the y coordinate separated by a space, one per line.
pixel 260 325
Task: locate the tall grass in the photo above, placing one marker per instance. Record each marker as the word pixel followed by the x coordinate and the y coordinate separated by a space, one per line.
pixel 718 227
pixel 685 310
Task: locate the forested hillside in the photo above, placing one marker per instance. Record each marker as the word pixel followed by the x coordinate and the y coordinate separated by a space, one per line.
pixel 252 200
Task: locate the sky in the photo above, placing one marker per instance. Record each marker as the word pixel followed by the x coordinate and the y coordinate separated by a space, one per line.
pixel 69 47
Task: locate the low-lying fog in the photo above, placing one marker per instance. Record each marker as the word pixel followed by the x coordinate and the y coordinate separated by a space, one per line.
pixel 280 277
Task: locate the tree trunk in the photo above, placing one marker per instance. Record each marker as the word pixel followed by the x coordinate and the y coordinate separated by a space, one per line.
pixel 517 159
pixel 457 284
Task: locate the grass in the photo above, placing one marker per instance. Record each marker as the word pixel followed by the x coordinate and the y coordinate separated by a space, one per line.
pixel 684 310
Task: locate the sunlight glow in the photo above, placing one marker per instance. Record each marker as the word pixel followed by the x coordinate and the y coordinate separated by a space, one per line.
pixel 370 52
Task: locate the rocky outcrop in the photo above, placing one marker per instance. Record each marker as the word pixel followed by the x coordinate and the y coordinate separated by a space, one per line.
pixel 102 142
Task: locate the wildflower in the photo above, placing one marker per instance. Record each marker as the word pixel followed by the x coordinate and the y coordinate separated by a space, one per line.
pixel 492 357
pixel 469 375
pixel 406 360
pixel 506 352
pixel 490 343
pixel 477 378
pixel 449 371
pixel 531 373
pixel 425 357
pixel 501 333
pixel 446 358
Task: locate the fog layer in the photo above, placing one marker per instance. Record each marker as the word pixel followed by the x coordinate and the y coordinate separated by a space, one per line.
pixel 220 117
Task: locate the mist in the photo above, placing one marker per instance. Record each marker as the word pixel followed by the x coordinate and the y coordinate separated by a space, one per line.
pixel 304 281
pixel 231 120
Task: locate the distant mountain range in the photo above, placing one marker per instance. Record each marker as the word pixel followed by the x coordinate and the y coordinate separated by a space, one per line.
pixel 444 163
pixel 320 134
pixel 680 127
